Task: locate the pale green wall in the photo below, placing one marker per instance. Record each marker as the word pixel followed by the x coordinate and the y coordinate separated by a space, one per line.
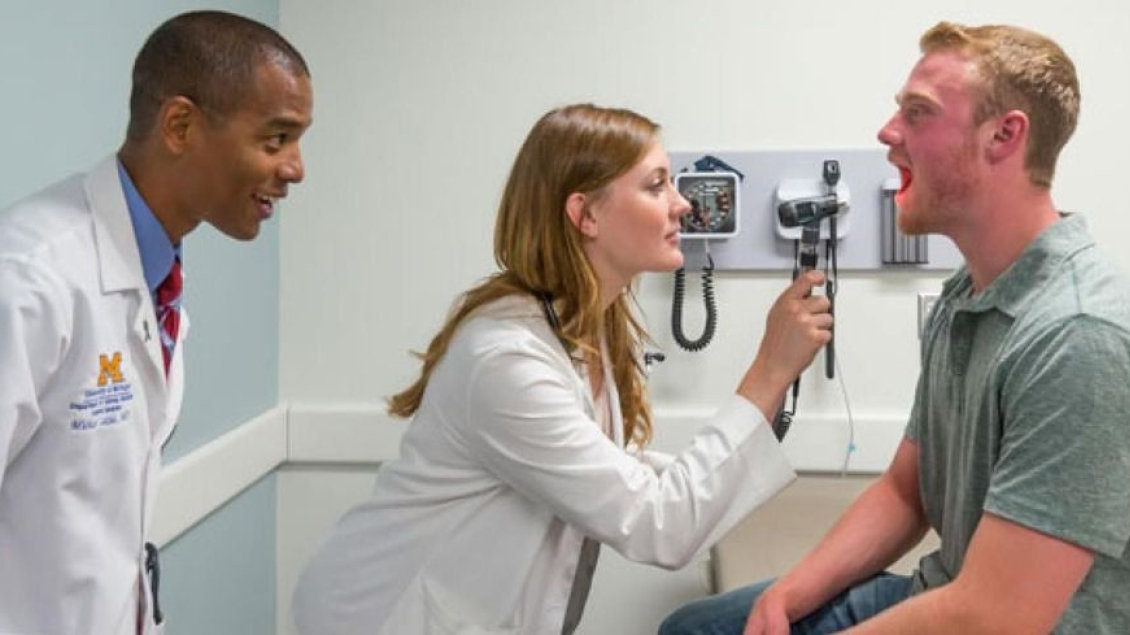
pixel 219 578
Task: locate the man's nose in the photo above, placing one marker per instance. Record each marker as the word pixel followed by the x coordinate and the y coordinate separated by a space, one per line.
pixel 292 169
pixel 889 134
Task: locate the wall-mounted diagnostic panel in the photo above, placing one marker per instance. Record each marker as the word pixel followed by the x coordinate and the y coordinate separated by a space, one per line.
pixel 750 208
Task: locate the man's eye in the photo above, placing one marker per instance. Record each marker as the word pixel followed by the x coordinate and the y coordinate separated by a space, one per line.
pixel 277 141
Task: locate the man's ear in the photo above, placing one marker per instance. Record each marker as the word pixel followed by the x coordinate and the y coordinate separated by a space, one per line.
pixel 175 123
pixel 1010 136
pixel 577 208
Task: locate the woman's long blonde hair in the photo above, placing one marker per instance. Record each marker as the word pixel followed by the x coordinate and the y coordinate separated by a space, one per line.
pixel 578 148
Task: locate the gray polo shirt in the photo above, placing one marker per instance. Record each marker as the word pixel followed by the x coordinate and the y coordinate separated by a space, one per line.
pixel 1023 410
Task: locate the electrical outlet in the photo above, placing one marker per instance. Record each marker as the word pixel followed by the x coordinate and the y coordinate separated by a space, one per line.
pixel 926 302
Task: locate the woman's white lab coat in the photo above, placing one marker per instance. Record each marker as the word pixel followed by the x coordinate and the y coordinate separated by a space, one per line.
pixel 477 527
pixel 84 410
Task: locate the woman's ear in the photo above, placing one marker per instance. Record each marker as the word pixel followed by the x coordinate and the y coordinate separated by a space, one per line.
pixel 577 208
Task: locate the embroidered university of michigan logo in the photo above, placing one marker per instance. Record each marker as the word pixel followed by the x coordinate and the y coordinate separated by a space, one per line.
pixel 106 404
pixel 110 369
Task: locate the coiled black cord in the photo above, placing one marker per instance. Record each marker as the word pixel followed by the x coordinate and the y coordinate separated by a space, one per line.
pixel 708 302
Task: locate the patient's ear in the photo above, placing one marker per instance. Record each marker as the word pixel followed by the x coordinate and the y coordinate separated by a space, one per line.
pixel 1010 136
pixel 578 210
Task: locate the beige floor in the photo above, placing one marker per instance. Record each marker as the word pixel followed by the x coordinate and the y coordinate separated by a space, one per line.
pixel 775 537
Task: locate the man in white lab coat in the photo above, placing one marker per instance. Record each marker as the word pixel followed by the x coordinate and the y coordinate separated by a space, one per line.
pixel 90 375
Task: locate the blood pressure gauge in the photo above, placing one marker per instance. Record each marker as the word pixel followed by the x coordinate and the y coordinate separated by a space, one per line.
pixel 714 204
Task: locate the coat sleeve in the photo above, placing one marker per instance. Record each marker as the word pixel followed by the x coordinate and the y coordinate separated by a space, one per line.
pixel 31 349
pixel 526 423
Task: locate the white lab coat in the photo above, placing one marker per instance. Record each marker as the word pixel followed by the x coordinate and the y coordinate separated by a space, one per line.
pixel 84 410
pixel 477 527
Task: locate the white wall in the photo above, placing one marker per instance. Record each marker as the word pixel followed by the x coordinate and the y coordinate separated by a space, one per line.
pixel 420 107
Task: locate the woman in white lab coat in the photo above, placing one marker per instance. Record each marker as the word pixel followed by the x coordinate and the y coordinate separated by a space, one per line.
pixel 530 415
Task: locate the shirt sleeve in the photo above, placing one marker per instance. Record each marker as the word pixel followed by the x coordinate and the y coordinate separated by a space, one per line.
pixel 29 354
pixel 913 424
pixel 1064 461
pixel 527 423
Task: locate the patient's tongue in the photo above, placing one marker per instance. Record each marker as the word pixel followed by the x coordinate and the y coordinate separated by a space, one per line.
pixel 906 177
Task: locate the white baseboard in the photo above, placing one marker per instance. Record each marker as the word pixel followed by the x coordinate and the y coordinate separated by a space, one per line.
pixel 813 443
pixel 364 433
pixel 196 485
pixel 342 433
pixel 821 444
pixel 327 434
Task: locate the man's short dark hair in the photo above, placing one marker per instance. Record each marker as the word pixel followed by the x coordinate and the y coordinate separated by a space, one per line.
pixel 210 57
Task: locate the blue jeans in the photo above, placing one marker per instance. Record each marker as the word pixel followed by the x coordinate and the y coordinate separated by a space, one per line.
pixel 726 613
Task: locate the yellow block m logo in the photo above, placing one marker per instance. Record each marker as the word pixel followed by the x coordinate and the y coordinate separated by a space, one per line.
pixel 110 369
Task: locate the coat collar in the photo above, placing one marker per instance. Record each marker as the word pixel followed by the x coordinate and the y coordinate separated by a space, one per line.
pixel 120 269
pixel 119 260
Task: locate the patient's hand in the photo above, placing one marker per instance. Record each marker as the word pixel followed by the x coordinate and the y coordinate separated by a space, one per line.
pixel 768 616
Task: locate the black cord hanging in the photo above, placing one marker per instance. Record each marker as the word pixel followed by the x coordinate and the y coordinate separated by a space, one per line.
pixel 708 302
